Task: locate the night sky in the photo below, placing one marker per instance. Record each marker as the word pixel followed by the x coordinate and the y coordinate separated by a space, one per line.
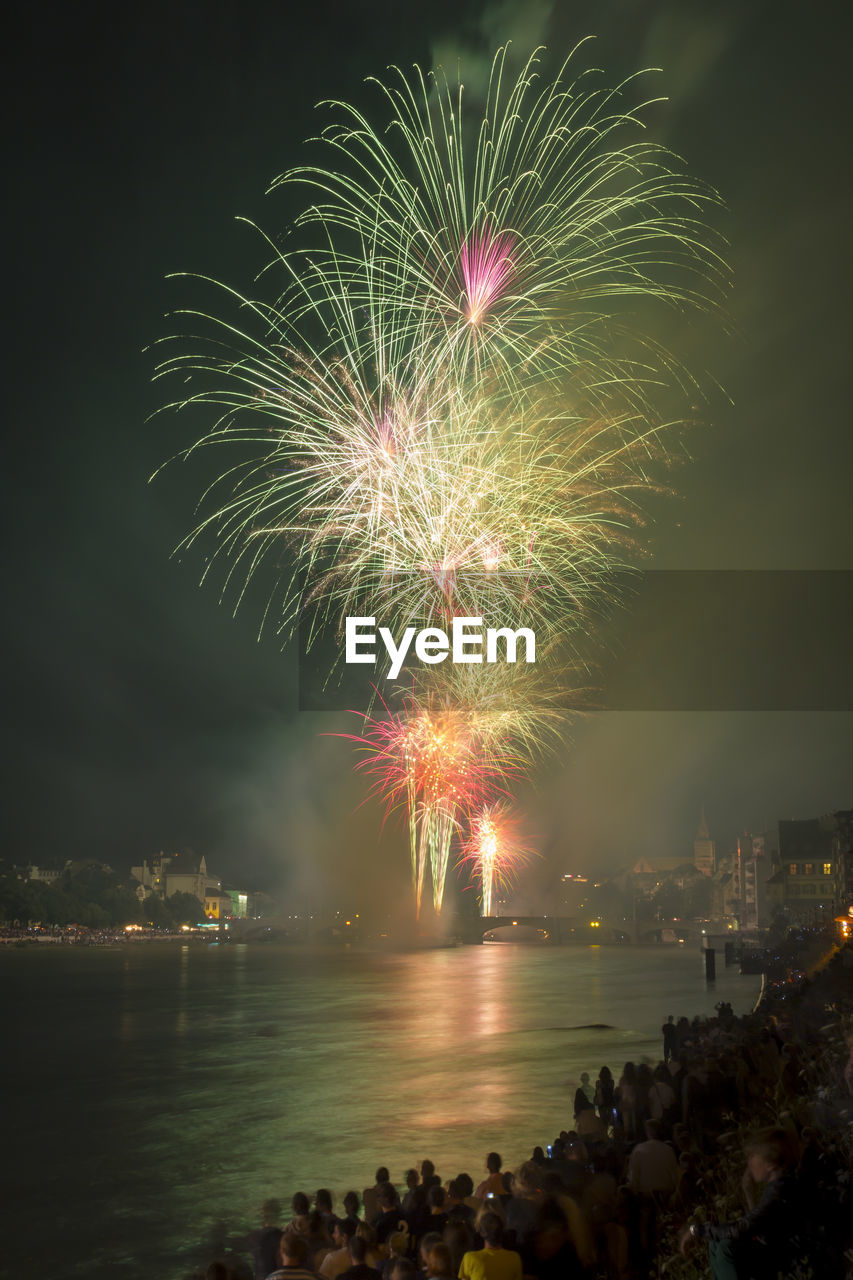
pixel 140 715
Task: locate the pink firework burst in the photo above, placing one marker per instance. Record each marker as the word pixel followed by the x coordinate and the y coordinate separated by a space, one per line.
pixel 422 755
pixel 428 760
pixel 487 270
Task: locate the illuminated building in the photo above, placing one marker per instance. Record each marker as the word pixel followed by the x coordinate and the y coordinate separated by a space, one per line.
pixel 805 884
pixel 176 873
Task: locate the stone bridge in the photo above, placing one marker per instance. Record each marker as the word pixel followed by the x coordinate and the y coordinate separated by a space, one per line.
pixel 562 930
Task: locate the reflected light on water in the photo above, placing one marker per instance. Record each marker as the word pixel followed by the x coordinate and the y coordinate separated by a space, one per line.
pixel 301 1068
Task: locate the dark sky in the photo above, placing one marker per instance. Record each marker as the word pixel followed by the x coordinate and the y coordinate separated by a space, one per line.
pixel 139 715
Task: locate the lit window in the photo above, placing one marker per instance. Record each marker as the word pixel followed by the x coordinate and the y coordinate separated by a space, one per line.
pixel 827 868
pixel 808 869
pixel 792 868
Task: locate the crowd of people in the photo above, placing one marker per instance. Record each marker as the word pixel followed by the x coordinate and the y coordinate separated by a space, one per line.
pixel 647 1178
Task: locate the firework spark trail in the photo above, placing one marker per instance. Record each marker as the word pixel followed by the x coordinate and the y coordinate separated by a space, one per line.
pixel 559 211
pixel 494 852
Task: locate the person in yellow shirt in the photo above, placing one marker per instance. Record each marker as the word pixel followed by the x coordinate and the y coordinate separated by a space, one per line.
pixel 492 1262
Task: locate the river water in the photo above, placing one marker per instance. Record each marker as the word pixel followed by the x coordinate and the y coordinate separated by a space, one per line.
pixel 154 1091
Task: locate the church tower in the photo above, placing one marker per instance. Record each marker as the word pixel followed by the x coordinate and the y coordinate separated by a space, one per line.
pixel 704 849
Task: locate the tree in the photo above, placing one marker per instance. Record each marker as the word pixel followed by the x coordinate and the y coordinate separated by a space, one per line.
pixel 154 911
pixel 185 908
pixel 120 904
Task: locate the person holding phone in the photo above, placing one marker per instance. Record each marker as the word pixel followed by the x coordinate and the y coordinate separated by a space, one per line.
pixel 493 1183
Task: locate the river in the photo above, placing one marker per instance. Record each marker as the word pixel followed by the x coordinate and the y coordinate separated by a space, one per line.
pixel 155 1090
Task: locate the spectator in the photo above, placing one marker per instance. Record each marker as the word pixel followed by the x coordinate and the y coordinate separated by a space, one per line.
pixel 317 1238
pixel 359 1268
pixel 402 1269
pixel 323 1205
pixel 264 1242
pixel 492 1185
pixel 352 1205
pixel 626 1100
pixel 653 1167
pixel 550 1253
pixel 301 1205
pixel 661 1099
pixel 398 1248
pixel 375 1255
pixel 456 1208
pixel 338 1259
pixel 669 1039
pixel 522 1208
pixel 414 1192
pixel 436 1197
pixel 459 1238
pixel 605 1096
pixel 492 1262
pixel 764 1240
pixel 438 1262
pixel 293 1252
pixel 370 1195
pixel 391 1216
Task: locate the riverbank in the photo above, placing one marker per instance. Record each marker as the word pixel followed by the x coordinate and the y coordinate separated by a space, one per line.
pixel 786 1066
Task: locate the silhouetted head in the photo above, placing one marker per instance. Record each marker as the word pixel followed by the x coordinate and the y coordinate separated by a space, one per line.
pixel 345 1229
pixel 357 1250
pixel 769 1153
pixel 492 1230
pixel 293 1250
pixel 398 1243
pixel 387 1196
pixel 427 1241
pixel 438 1260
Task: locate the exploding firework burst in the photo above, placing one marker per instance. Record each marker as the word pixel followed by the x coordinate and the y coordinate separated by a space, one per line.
pixel 502 238
pixel 494 852
pixel 376 454
pixel 417 503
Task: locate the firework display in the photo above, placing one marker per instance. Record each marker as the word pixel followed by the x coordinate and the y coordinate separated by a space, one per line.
pixel 444 413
